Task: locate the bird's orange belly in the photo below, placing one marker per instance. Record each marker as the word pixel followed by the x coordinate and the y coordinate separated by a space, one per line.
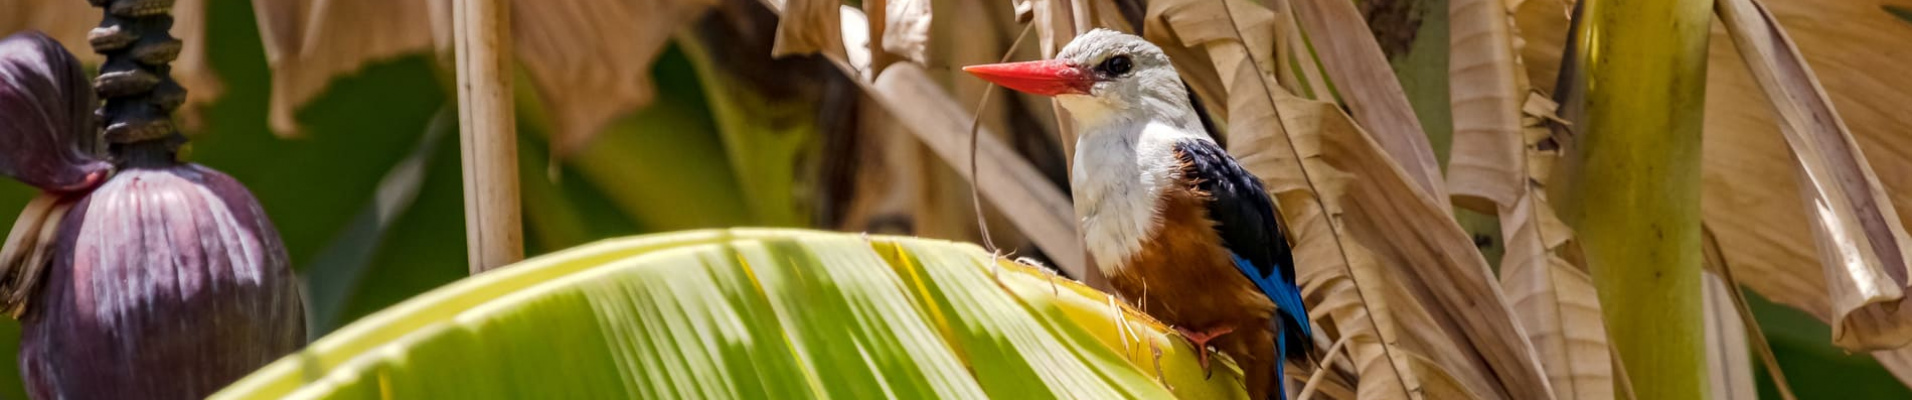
pixel 1184 276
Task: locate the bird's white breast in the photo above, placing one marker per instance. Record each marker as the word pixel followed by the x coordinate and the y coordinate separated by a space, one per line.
pixel 1118 188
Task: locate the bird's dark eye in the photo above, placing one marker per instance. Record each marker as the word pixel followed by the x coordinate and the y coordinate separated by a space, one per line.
pixel 1118 65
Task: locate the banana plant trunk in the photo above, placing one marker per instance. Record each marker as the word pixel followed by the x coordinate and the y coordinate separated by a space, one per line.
pixel 1634 183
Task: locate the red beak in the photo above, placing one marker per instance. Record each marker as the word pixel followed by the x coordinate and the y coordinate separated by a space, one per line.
pixel 1047 77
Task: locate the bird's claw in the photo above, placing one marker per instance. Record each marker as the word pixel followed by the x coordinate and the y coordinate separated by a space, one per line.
pixel 1201 339
pixel 1206 371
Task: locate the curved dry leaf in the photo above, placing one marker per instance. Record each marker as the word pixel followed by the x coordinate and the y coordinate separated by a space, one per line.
pixel 1054 21
pixel 858 39
pixel 1496 164
pixel 590 61
pixel 1352 304
pixel 1107 14
pixel 874 19
pixel 1485 165
pixel 1438 384
pixel 1343 282
pixel 906 30
pixel 308 42
pixel 1863 246
pixel 1332 377
pixel 1057 23
pixel 1305 78
pixel 1008 181
pixel 1186 25
pixel 1357 215
pixel 809 26
pixel 69 22
pixel 193 69
pixel 1353 59
pixel 1542 29
pixel 1718 269
pixel 1898 361
pixel 1420 241
pixel 1555 301
pixel 1423 245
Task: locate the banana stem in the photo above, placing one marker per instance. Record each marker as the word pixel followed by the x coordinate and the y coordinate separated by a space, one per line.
pixel 1633 190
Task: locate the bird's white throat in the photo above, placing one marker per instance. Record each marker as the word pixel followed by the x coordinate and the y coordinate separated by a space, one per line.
pixel 1120 172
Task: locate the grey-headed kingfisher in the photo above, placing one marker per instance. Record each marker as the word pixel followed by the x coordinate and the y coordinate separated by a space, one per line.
pixel 1169 216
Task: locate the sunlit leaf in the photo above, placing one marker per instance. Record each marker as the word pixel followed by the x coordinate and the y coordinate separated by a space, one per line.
pixel 775 313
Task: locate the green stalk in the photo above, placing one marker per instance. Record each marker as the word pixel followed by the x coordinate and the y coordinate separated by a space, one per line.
pixel 1633 190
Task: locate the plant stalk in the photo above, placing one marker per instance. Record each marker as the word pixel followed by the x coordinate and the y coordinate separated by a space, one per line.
pixel 487 133
pixel 135 84
pixel 1633 183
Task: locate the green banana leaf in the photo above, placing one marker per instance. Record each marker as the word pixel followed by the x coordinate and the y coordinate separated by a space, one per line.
pixel 752 313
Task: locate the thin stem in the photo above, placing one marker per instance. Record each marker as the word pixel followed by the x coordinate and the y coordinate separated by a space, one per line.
pixel 487 133
pixel 1753 331
pixel 975 123
pixel 1314 381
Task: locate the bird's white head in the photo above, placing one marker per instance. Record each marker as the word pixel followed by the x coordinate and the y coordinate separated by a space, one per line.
pixel 1103 77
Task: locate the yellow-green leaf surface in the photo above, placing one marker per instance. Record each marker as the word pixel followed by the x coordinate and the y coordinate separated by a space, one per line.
pixel 752 313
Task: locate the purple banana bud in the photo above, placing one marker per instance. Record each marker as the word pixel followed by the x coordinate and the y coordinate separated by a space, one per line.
pixel 162 280
pixel 46 116
pixel 166 282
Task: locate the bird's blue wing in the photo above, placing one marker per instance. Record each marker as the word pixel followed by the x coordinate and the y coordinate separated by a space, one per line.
pixel 1246 220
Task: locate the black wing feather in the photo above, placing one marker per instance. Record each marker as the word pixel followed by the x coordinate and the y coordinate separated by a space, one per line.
pixel 1246 221
pixel 1244 214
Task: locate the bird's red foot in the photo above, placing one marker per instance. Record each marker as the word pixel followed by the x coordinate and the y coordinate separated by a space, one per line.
pixel 1201 340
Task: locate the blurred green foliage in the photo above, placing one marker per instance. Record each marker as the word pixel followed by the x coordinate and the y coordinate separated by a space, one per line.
pixel 1815 368
pixel 663 168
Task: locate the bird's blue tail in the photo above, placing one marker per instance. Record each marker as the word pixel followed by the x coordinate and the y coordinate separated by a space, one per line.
pixel 1281 346
pixel 1291 321
pixel 1287 298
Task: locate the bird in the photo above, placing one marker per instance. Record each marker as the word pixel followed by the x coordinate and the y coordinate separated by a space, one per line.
pixel 1168 215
